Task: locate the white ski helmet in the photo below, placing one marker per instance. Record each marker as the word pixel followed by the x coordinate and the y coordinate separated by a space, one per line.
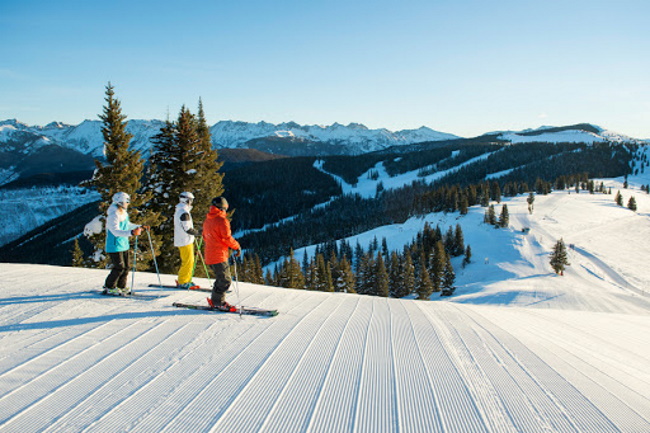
pixel 186 197
pixel 121 199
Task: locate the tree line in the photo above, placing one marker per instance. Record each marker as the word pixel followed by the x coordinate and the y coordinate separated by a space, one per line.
pixel 422 267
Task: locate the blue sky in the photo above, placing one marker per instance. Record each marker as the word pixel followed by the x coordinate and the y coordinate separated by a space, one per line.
pixel 463 67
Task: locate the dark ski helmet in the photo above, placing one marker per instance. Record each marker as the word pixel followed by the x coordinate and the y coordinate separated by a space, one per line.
pixel 220 202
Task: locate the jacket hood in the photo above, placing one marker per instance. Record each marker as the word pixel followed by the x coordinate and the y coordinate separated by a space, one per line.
pixel 216 212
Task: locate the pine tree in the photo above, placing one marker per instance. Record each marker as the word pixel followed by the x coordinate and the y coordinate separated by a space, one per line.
pixel 296 277
pixel 77 255
pixel 408 277
pixel 468 256
pixel 346 280
pixel 495 191
pixel 335 270
pixel 459 244
pixel 268 278
pixel 258 272
pixel 122 172
pixel 450 240
pixel 384 248
pixel 365 276
pixel 323 275
pixel 485 198
pixel 631 204
pixel 382 287
pixel 619 199
pixel 183 160
pixel 448 279
pixel 530 200
pixel 311 276
pixel 208 179
pixel 559 258
pixel 504 218
pixel 437 266
pixel 424 287
pixel 490 216
pixel 463 205
pixel 290 274
pixel 164 165
pixel 395 275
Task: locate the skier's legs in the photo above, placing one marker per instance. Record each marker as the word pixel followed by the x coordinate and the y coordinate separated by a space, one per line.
pixel 122 281
pixel 118 275
pixel 187 264
pixel 222 280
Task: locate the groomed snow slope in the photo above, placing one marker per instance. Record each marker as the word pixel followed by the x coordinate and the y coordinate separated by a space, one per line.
pixel 517 349
pixel 74 361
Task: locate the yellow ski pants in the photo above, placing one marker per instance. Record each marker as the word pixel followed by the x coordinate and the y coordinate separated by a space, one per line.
pixel 187 264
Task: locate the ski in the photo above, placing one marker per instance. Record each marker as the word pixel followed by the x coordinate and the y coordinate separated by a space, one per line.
pixel 132 295
pixel 194 288
pixel 249 311
pixel 169 286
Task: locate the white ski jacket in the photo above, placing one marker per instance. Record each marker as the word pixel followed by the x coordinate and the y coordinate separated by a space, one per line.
pixel 183 226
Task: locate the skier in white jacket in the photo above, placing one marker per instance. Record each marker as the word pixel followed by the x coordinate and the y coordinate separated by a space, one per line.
pixel 184 234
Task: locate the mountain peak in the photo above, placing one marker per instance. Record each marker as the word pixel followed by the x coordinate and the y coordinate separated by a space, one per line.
pixel 15 123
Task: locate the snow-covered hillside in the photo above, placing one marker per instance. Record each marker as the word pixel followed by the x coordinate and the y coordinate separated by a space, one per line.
pixel 517 349
pixel 24 210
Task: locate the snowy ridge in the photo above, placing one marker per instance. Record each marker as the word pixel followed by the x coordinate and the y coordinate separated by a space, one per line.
pixel 583 133
pixel 351 139
pixel 87 138
pixel 517 349
pixel 237 134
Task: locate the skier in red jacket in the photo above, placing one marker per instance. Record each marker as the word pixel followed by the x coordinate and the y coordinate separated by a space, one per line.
pixel 218 241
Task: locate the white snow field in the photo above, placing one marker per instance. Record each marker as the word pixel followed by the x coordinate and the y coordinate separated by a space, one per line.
pixel 516 349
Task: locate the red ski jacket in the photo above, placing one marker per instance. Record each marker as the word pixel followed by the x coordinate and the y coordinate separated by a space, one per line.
pixel 217 237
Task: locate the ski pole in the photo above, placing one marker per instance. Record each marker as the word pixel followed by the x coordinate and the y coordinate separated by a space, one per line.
pixel 234 263
pixel 135 260
pixel 153 254
pixel 205 266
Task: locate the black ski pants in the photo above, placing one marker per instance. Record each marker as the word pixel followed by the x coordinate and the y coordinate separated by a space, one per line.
pixel 222 281
pixel 120 271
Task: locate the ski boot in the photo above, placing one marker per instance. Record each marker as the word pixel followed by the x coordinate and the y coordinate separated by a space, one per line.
pixel 224 306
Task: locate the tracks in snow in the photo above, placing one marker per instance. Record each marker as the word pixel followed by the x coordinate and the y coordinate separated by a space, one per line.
pixel 328 362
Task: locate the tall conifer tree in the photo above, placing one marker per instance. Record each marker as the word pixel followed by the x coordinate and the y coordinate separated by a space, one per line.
pixel 183 160
pixel 424 287
pixel 346 279
pixel 448 278
pixel 382 287
pixel 122 172
pixel 504 217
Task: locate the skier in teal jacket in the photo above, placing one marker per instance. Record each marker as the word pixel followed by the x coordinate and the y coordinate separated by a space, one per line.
pixel 118 231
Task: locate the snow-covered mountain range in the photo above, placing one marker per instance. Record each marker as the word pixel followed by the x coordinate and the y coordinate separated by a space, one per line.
pixel 289 137
pixel 339 139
